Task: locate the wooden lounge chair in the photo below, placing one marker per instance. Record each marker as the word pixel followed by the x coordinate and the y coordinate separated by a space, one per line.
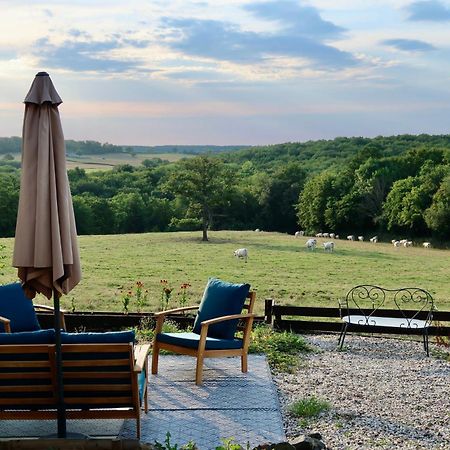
pixel 215 326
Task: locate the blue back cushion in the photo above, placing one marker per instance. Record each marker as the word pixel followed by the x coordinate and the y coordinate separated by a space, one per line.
pixel 28 337
pixel 18 308
pixel 112 337
pixel 221 299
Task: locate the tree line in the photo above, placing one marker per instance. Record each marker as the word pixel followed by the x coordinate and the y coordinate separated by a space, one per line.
pixel 360 185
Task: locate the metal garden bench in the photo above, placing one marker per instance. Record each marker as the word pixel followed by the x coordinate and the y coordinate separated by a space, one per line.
pixel 411 311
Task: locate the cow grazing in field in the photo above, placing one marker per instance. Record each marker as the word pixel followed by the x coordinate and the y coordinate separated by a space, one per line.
pixel 374 239
pixel 299 233
pixel 360 238
pixel 319 234
pixel 311 244
pixel 328 246
pixel 241 253
pixel 332 235
pixel 350 237
pixel 407 244
pixel 257 230
pixel 426 245
pixel 396 244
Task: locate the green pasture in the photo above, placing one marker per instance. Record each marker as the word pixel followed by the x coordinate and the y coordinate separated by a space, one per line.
pixel 107 161
pixel 279 267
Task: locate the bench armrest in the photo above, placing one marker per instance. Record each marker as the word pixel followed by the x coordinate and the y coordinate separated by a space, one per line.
pixel 6 324
pixel 140 355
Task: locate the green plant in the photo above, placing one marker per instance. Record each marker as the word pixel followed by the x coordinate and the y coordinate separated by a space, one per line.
pixel 309 407
pixel 230 444
pixel 165 295
pixel 168 446
pixel 183 294
pixel 126 298
pixel 141 295
pixel 282 349
pixel 2 258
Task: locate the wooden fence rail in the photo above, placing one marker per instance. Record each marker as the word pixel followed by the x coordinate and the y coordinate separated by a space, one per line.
pixel 293 318
pixel 306 318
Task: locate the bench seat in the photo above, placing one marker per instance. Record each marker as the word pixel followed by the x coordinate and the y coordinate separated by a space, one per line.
pixel 390 322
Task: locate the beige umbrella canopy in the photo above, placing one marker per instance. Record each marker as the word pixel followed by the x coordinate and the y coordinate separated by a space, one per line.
pixel 45 247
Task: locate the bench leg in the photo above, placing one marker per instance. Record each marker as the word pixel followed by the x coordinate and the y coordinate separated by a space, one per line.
pixel 342 335
pixel 425 341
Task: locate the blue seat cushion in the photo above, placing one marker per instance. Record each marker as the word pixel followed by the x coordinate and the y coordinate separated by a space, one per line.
pixel 191 340
pixel 111 337
pixel 141 384
pixel 29 337
pixel 221 299
pixel 18 308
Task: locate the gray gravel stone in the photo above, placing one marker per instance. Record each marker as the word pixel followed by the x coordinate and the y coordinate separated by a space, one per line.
pixel 385 394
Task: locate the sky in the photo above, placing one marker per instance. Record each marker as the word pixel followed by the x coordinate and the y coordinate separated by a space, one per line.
pixel 230 72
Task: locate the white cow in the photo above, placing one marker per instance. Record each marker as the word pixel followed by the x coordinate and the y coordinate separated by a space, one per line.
pixel 311 244
pixel 299 233
pixel 361 238
pixel 332 235
pixel 426 245
pixel 396 243
pixel 257 230
pixel 319 234
pixel 350 237
pixel 328 246
pixel 407 244
pixel 374 239
pixel 241 253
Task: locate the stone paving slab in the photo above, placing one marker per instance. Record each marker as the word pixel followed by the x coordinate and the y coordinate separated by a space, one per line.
pixel 42 428
pixel 228 404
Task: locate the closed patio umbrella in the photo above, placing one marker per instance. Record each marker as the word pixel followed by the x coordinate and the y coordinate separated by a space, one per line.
pixel 45 246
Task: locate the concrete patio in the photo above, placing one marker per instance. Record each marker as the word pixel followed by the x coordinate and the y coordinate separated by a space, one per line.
pixel 229 404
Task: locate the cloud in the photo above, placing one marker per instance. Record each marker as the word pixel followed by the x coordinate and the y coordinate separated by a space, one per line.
pixel 428 10
pixel 226 41
pixel 299 19
pixel 85 55
pixel 409 45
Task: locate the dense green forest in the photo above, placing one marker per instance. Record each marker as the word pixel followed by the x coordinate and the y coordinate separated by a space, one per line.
pixel 387 186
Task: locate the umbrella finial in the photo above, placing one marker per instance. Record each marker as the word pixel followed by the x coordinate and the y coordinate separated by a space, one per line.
pixel 42 91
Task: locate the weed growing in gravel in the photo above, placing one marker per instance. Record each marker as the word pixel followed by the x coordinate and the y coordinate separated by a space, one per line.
pixel 309 407
pixel 282 349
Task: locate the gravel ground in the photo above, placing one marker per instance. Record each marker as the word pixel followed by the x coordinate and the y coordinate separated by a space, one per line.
pixel 384 394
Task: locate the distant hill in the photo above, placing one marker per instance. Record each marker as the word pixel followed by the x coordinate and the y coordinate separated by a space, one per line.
pixel 13 145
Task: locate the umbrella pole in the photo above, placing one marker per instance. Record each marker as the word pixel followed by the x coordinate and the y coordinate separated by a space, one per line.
pixel 59 369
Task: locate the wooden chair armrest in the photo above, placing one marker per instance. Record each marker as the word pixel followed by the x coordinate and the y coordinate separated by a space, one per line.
pixel 6 324
pixel 51 309
pixel 224 318
pixel 175 310
pixel 160 316
pixel 140 355
pixel 48 308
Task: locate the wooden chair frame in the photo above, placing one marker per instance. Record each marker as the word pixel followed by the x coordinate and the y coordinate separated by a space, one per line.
pixel 201 352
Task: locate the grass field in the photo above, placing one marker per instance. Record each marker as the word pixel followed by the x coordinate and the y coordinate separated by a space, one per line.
pixel 279 267
pixel 109 160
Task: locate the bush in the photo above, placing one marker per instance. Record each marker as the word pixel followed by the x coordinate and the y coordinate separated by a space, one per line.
pixel 282 349
pixel 309 407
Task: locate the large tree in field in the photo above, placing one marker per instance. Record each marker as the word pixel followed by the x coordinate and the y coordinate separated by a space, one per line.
pixel 204 183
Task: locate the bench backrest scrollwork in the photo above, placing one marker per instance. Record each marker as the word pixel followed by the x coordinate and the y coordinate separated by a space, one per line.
pixel 407 303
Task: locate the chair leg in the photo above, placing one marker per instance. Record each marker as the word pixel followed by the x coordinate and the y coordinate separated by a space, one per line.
pixel 244 365
pixel 199 370
pixel 155 358
pixel 425 337
pixel 138 425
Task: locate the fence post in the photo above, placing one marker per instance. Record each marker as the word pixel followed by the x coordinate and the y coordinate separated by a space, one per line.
pixel 268 302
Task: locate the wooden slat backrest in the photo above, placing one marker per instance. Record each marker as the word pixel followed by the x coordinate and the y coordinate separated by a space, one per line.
pixel 248 307
pixel 99 376
pixel 27 378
